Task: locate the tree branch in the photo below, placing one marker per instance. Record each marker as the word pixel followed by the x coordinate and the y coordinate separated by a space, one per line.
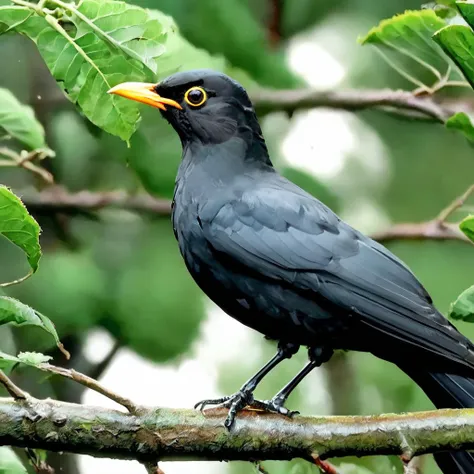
pixel 57 199
pixel 395 101
pixel 430 230
pixel 16 392
pixel 162 433
pixel 274 26
pixel 267 100
pixel 436 229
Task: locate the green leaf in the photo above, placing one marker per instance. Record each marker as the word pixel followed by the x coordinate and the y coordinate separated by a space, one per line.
pixel 467 11
pixel 405 41
pixel 412 25
pixel 19 228
pixel 463 308
pixel 97 46
pixel 10 463
pixel 19 314
pixel 8 361
pixel 462 122
pixel 33 358
pixel 19 121
pixel 467 226
pixel 458 43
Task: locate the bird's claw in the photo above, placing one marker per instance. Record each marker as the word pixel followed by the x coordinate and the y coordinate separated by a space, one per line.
pixel 235 403
pixel 217 401
pixel 275 406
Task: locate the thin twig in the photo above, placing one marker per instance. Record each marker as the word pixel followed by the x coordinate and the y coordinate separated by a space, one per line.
pixel 268 100
pixel 90 383
pixel 324 466
pixel 40 466
pixel 430 230
pixel 25 161
pixel 260 468
pixel 57 199
pixel 274 27
pixel 436 229
pixel 152 468
pixel 401 102
pixel 455 205
pixel 413 466
pixel 14 391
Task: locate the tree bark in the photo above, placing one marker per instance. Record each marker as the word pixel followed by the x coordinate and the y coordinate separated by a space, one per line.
pixel 163 433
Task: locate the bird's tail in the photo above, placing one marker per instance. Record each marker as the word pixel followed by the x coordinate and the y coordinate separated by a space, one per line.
pixel 449 391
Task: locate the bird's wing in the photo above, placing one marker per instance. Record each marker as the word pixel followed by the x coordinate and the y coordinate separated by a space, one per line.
pixel 283 233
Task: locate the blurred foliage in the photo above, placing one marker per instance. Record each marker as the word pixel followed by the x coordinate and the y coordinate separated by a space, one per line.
pixel 463 307
pixel 409 44
pixel 122 272
pixel 236 29
pixel 10 463
pixel 17 225
pixel 18 121
pixel 14 312
pixel 467 226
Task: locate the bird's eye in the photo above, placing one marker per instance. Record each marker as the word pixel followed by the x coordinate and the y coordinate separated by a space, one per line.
pixel 195 96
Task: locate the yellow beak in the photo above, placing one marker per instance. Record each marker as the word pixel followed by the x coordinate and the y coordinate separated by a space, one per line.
pixel 143 92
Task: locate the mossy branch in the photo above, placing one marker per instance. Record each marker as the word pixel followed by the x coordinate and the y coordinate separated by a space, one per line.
pixel 163 433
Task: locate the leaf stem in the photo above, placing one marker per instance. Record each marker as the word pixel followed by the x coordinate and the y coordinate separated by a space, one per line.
pixel 16 282
pixel 33 6
pixel 402 72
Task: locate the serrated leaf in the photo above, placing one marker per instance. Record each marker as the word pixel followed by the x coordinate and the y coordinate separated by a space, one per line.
pixel 19 227
pixel 411 25
pixel 460 121
pixel 10 463
pixel 85 67
pixel 15 312
pixel 19 121
pixel 467 226
pixel 33 358
pixel 463 308
pixel 106 42
pixel 458 43
pixel 406 42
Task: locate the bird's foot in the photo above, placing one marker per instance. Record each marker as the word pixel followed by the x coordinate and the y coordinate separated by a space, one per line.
pixel 234 403
pixel 275 405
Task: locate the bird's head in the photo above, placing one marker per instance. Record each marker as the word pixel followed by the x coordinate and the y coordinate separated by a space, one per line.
pixel 202 105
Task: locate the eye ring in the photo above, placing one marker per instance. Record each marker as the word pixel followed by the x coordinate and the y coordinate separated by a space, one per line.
pixel 200 96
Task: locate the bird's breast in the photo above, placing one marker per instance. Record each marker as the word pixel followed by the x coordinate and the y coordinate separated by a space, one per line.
pixel 266 306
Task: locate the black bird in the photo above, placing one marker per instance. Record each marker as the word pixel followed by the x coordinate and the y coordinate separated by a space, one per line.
pixel 281 262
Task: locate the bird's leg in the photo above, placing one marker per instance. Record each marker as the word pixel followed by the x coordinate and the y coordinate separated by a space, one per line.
pixel 317 356
pixel 244 396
